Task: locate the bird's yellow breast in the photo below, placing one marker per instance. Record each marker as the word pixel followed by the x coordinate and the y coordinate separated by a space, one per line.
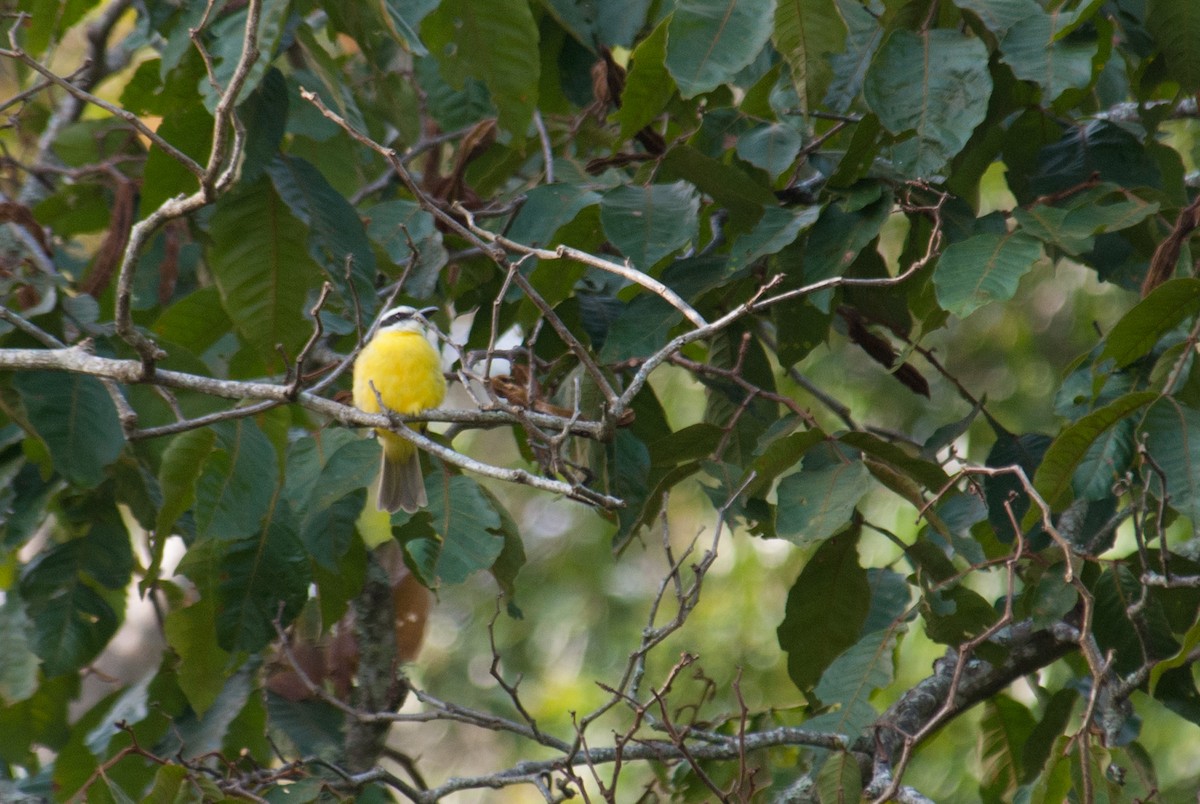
pixel 406 371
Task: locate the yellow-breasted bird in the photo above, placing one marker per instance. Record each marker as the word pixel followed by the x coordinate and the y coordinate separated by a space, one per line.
pixel 400 368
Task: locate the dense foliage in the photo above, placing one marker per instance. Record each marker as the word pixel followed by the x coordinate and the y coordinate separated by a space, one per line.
pixel 887 304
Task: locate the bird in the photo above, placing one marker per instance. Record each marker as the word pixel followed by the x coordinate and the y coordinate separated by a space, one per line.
pixel 399 370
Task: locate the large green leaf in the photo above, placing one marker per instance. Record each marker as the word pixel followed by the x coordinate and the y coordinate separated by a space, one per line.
pixel 998 16
pixel 1004 728
pixel 494 42
pixel 816 504
pixel 1140 329
pixel 1035 50
pixel 75 416
pixel 189 128
pixel 825 611
pixel 224 43
pixel 1172 437
pixel 237 482
pixel 649 86
pixel 263 577
pixel 392 224
pixel 710 41
pixel 1056 473
pixel 851 679
pixel 72 620
pixel 934 84
pixel 778 228
pixel 18 662
pixel 325 482
pixel 1175 25
pixel 806 33
pixel 195 322
pixel 191 633
pixel 648 223
pixel 180 467
pixel 547 209
pixel 337 237
pixel 864 34
pixel 467 528
pixel 983 268
pixel 772 147
pixel 744 197
pixel 260 264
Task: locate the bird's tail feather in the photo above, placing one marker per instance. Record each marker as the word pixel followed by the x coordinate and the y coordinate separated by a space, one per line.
pixel 401 484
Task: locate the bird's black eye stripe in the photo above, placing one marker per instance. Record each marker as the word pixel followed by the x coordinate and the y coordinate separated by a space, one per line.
pixel 397 317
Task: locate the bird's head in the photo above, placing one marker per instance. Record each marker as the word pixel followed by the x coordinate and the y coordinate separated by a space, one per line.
pixel 403 318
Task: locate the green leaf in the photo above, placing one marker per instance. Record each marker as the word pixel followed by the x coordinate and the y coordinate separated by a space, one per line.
pixel 826 608
pixel 1003 730
pixel 778 228
pixel 181 464
pixel 955 614
pixel 850 681
pixel 391 225
pixel 772 147
pixel 18 662
pixel 336 233
pixel 195 322
pixel 403 22
pixel 648 223
pixel 983 268
pixel 744 197
pixel 547 209
pixel 189 128
pixel 864 34
pixel 840 781
pixel 262 578
pixel 806 33
pixel 1172 437
pixel 935 84
pixel 237 483
pixel 191 633
pixel 327 489
pixel 1140 329
pixel 1002 491
pixel 72 622
pixel 75 416
pixel 494 42
pixel 260 264
pixel 224 44
pixel 1056 474
pixel 998 16
pixel 264 114
pixel 648 87
pixel 1175 26
pixel 711 41
pixel 1035 50
pixel 816 504
pixel 467 527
